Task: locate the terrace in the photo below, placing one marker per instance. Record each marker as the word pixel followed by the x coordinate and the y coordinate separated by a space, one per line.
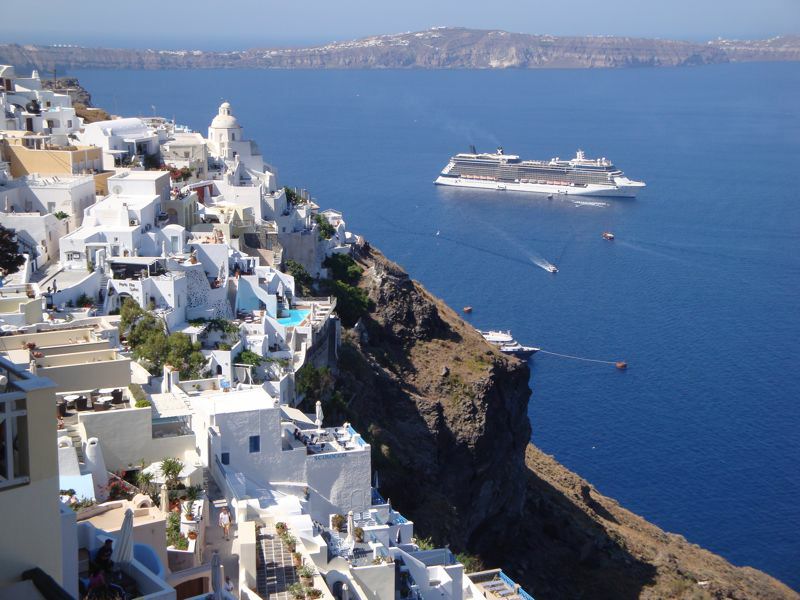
pixel 302 434
pixel 496 585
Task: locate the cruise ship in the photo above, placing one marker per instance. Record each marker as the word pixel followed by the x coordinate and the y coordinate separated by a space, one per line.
pixel 579 176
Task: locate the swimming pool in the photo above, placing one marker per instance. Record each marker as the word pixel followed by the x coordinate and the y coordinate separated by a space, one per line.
pixel 296 316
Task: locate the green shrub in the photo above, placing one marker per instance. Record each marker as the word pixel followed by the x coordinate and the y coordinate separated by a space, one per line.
pixel 342 267
pixel 326 230
pixel 302 279
pixel 138 394
pixel 351 302
pixel 61 215
pixel 249 357
pixel 143 403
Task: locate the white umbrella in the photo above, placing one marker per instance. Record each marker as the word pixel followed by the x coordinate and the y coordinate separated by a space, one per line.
pixel 398 538
pixel 216 576
pixel 164 499
pixel 123 549
pixel 377 483
pixel 318 420
pixel 351 526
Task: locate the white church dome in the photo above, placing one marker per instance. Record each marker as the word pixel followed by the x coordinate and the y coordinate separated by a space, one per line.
pixel 224 119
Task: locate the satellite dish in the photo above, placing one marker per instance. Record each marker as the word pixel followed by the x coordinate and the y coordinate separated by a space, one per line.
pixel 116 189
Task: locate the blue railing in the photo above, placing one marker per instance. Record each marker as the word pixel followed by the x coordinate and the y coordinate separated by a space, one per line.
pixel 524 595
pixel 520 592
pixel 507 579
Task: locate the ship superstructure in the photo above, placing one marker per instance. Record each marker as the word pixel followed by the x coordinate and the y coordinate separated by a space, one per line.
pixel 579 176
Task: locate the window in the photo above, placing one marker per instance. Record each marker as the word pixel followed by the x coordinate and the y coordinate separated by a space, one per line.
pixel 225 458
pixel 255 443
pixel 13 442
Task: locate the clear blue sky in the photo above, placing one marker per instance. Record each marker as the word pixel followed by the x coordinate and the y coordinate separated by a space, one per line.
pixel 206 24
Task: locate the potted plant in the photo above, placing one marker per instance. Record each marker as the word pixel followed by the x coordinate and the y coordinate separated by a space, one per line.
pixel 338 522
pixel 359 534
pixel 280 527
pixel 297 559
pixel 297 591
pixel 191 496
pixel 313 593
pixel 291 542
pixel 306 574
pixel 192 535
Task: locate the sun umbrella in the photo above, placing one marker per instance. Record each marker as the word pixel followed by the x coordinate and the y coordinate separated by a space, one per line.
pixel 216 576
pixel 398 538
pixel 123 549
pixel 318 420
pixel 377 483
pixel 351 526
pixel 163 498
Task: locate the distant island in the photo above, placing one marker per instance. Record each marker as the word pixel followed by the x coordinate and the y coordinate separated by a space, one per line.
pixel 437 48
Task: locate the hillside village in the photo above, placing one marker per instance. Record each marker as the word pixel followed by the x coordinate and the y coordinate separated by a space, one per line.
pixel 162 338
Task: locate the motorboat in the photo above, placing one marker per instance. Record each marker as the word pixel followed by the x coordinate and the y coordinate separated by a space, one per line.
pixel 506 343
pixel 607 235
pixel 551 269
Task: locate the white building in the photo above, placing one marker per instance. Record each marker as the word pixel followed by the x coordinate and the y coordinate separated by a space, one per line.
pixel 123 141
pixel 25 105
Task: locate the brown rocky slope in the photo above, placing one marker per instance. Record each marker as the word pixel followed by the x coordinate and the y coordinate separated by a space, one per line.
pixel 446 415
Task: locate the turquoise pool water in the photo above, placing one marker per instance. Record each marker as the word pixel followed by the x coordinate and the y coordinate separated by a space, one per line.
pixel 296 316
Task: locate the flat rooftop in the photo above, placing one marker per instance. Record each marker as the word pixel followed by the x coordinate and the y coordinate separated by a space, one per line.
pixel 244 400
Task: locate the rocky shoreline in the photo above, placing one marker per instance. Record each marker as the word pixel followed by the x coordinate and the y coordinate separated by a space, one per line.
pixel 438 48
pixel 446 415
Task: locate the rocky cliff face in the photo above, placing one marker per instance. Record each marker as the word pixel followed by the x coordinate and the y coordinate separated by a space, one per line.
pixel 446 415
pixel 440 48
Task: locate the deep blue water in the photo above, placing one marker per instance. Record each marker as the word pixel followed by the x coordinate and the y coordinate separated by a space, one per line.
pixel 699 293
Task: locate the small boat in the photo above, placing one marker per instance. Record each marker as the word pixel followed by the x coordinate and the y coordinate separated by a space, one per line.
pixel 552 269
pixel 507 344
pixel 467 309
pixel 607 235
pixel 501 187
pixel 621 365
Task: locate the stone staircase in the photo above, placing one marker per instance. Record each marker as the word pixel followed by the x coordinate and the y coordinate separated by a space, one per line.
pixel 77 442
pixel 274 569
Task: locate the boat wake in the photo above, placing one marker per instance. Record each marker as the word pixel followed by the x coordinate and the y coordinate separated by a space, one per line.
pixel 543 264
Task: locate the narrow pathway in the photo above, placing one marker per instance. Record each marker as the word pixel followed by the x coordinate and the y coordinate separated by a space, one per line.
pixel 214 539
pixel 274 566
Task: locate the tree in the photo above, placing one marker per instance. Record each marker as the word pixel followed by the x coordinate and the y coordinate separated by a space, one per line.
pixel 351 302
pixel 184 355
pixel 171 470
pixel 10 258
pixel 314 383
pixel 343 268
pixel 302 279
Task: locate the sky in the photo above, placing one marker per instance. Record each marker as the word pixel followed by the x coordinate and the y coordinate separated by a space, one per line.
pixel 236 24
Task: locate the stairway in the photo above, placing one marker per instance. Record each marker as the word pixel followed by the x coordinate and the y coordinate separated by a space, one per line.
pixel 77 442
pixel 274 569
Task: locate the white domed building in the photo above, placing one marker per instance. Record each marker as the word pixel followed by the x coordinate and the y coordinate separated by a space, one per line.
pixel 224 130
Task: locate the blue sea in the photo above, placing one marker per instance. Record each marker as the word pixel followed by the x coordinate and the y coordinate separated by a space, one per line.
pixel 699 292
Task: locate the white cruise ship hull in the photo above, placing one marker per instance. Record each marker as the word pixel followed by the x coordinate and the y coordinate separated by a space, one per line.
pixel 625 188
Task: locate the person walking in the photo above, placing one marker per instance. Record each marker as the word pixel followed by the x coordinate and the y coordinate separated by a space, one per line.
pixel 225 522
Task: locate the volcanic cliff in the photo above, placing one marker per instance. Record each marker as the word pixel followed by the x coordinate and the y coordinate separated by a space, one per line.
pixel 437 48
pixel 446 415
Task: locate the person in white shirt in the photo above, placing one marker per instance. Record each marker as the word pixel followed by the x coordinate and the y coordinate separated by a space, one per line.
pixel 225 522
